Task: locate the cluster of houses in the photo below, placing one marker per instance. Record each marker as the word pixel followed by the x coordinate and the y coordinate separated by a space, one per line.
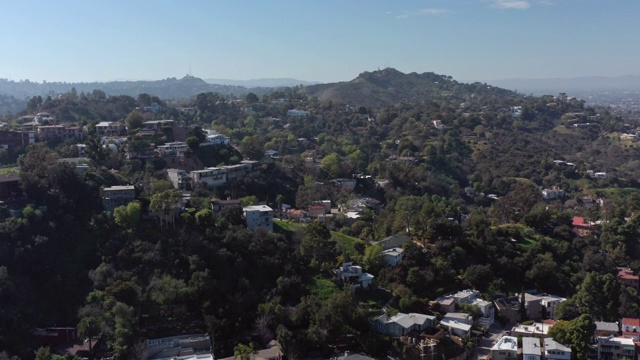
pixel 610 340
pixel 455 323
pixel 257 216
pixel 532 349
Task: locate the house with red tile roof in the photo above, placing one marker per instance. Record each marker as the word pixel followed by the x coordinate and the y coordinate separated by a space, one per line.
pixel 627 277
pixel 581 227
pixel 631 324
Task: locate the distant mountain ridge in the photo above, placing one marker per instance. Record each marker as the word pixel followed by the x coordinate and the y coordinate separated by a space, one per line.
pixel 170 88
pixel 570 85
pixel 266 82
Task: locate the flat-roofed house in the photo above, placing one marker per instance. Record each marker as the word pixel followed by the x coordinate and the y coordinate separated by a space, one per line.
pixel 115 196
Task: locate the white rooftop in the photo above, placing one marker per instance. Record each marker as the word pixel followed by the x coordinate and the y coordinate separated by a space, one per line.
pixel 393 251
pixel 120 187
pixel 257 208
pixel 506 343
pixel 407 320
pixel 531 346
pixel 455 324
pixel 550 344
pixel 535 328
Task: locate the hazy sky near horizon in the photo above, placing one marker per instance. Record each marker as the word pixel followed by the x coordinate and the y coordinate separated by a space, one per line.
pixel 328 40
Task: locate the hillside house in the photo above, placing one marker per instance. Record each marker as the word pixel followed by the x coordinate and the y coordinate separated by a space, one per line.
pixel 515 111
pixel 402 324
pixel 59 132
pixel 218 205
pixel 175 148
pixel 611 347
pixel 178 178
pixel 209 177
pixel 317 210
pixel 393 241
pixel 553 350
pixel 553 193
pixel 472 297
pixel 392 256
pixel 108 128
pixel 508 308
pixel 115 196
pixel 439 125
pixel 10 187
pixel 348 184
pixel 353 275
pixel 531 349
pixel 458 324
pixel 456 328
pixel 581 227
pixel 258 216
pixel 214 138
pixel 505 349
pixel 535 330
pixel 627 277
pixel 179 347
pixel 13 139
pixel 604 328
pixel 297 113
pixel 630 327
pixel 157 125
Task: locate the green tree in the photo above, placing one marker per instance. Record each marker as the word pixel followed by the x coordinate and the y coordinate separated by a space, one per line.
pixel 479 276
pixel 252 147
pixel 373 260
pixel 576 334
pixel 332 164
pixel 43 353
pixel 128 216
pixel 244 352
pixel 251 98
pixel 599 296
pixel 165 205
pixel 135 120
pixel 89 328
pixel 317 245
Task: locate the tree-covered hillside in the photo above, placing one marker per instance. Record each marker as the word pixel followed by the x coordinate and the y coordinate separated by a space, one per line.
pixel 459 169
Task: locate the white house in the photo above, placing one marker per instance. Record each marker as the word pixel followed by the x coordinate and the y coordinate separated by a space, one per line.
pixel 553 350
pixel 210 177
pixel 531 349
pixel 352 274
pixel 401 324
pixel 472 297
pixel 516 111
pixel 297 113
pixel 460 317
pixel 553 193
pixel 505 349
pixel 393 256
pixel 550 303
pixel 439 125
pixel 173 148
pixel 213 138
pixel 258 216
pixel 537 329
pixel 456 328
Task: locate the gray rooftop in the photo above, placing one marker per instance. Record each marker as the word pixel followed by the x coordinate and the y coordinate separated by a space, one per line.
pixel 531 346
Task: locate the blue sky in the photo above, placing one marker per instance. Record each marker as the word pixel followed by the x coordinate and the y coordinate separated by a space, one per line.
pixel 328 40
